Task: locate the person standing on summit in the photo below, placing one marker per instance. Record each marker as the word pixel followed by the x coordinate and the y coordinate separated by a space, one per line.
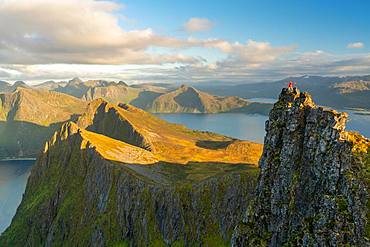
pixel 290 85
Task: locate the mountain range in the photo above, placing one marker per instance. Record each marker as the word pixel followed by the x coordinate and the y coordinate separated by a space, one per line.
pixel 337 92
pixel 29 116
pixel 6 87
pixel 118 176
pixel 152 98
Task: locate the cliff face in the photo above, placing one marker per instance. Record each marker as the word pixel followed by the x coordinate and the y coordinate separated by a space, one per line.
pixel 313 182
pixel 75 197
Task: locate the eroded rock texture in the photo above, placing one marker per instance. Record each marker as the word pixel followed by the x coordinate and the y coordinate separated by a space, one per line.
pixel 313 183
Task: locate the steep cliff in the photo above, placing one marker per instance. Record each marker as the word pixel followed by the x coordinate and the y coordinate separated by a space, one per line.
pixel 96 184
pixel 88 189
pixel 314 180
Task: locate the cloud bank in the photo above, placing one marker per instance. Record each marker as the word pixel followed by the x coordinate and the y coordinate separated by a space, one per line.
pixel 47 39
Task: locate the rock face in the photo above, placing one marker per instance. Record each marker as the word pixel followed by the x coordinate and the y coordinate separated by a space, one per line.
pixel 313 184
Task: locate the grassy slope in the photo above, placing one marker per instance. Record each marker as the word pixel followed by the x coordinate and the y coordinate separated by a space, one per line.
pixel 172 142
pixel 39 106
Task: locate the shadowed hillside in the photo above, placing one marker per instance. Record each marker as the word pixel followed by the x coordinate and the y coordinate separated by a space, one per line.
pixel 7 87
pixel 28 117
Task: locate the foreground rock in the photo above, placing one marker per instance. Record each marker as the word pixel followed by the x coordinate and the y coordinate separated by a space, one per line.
pixel 314 180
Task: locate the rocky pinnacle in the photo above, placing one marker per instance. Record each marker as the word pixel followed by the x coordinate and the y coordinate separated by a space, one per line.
pixel 313 182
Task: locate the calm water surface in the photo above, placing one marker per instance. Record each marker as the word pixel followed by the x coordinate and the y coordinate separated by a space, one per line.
pixel 13 179
pixel 249 126
pixel 243 126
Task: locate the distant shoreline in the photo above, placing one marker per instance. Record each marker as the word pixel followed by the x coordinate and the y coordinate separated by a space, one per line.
pixel 16 159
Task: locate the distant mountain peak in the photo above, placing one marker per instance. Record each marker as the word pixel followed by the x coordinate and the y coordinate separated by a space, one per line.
pixel 19 84
pixel 4 83
pixel 75 81
pixel 188 89
pixel 122 83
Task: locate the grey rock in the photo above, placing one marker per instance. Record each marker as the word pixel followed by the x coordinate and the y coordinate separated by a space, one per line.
pixel 310 191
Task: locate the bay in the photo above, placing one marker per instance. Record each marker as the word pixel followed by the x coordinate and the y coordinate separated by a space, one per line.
pixel 13 179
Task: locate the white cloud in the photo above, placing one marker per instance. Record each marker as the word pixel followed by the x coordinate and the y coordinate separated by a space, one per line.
pixel 254 52
pixel 48 39
pixel 198 24
pixel 356 45
pixel 76 31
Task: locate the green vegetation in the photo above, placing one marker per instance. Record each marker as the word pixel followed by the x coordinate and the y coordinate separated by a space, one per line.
pixel 68 202
pixel 91 186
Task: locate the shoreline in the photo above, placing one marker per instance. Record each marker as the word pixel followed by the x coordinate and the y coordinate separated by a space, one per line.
pixel 17 159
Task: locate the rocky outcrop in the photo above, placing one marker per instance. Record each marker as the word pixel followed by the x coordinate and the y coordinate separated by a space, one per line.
pixel 313 184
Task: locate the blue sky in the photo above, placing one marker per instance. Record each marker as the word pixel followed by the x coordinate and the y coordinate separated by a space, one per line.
pixel 325 25
pixel 182 41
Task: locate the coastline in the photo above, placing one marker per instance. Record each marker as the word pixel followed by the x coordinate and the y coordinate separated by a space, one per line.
pixel 16 159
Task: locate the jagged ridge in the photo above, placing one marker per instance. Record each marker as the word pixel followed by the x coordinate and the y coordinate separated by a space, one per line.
pixel 170 142
pixel 82 191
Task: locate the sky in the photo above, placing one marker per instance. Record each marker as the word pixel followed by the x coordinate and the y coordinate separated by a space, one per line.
pixel 182 41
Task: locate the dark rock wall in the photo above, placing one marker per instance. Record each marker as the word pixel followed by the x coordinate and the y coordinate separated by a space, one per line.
pixel 310 191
